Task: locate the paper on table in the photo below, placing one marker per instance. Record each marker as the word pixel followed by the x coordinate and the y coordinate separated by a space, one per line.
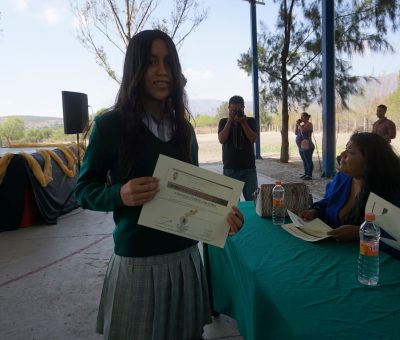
pixel 312 231
pixel 192 202
pixel 392 243
pixel 387 215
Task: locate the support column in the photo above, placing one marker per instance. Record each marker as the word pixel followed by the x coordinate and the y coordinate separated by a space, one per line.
pixel 328 90
pixel 256 103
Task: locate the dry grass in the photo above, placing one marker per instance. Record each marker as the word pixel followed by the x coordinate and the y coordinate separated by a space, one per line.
pixel 210 149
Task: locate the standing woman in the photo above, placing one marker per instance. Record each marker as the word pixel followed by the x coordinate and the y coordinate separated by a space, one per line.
pixel 155 287
pixel 303 132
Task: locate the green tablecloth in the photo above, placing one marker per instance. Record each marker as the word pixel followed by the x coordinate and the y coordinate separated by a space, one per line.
pixel 280 287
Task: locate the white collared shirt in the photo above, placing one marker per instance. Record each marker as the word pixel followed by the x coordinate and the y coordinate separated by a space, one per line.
pixel 163 129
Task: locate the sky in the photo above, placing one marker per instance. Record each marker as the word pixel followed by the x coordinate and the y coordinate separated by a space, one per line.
pixel 40 56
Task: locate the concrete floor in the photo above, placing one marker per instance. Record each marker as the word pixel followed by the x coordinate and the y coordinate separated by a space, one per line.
pixel 51 278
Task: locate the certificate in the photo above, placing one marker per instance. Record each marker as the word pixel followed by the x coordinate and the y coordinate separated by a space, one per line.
pixel 387 217
pixel 192 202
pixel 311 231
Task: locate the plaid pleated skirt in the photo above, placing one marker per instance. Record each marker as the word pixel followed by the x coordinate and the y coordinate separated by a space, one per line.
pixel 154 298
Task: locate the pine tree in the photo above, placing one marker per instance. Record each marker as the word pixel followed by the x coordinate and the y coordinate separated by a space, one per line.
pixel 290 66
pixel 394 102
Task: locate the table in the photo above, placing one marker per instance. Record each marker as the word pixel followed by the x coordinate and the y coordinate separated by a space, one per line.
pixel 277 286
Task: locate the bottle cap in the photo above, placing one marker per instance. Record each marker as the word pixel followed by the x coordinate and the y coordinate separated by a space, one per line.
pixel 278 182
pixel 369 216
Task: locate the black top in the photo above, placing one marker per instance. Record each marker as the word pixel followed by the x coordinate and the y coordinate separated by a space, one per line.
pixel 238 151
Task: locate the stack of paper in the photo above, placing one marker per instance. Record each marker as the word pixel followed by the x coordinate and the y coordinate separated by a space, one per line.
pixel 312 231
pixel 387 217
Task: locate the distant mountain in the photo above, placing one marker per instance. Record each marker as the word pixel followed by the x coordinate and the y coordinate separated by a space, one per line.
pixel 384 85
pixel 39 121
pixel 204 106
pixel 209 107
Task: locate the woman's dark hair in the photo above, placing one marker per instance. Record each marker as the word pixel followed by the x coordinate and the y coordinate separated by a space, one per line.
pixel 381 169
pixel 129 102
pixel 306 114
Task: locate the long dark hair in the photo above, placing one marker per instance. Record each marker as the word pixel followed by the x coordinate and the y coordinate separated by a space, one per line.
pixel 381 169
pixel 129 102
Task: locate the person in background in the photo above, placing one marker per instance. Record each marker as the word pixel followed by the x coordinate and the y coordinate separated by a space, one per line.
pixel 303 132
pixel 383 126
pixel 237 134
pixel 368 164
pixel 155 286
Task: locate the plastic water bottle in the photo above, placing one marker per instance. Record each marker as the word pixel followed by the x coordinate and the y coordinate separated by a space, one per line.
pixel 368 260
pixel 278 207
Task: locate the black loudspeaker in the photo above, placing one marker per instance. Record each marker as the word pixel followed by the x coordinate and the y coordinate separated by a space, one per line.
pixel 75 112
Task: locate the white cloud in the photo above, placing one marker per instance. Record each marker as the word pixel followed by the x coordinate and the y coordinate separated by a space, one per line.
pixel 51 15
pixel 198 75
pixel 20 5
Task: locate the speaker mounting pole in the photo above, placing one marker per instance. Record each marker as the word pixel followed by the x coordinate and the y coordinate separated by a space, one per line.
pixel 78 152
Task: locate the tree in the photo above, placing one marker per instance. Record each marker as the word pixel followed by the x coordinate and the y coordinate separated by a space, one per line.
pixel 394 101
pixel 37 135
pixel 265 119
pixel 290 64
pixel 12 128
pixel 222 111
pixel 205 121
pixel 58 135
pixel 117 21
pixel 364 107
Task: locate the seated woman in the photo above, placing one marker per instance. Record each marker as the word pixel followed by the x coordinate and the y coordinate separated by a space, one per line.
pixel 369 164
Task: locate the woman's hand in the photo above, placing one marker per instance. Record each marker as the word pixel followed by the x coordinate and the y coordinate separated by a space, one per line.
pixel 345 233
pixel 235 220
pixel 309 214
pixel 138 191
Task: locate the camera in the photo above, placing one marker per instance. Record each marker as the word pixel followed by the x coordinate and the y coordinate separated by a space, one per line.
pixel 239 113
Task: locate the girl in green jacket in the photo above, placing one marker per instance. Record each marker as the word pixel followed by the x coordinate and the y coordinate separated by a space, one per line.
pixel 155 286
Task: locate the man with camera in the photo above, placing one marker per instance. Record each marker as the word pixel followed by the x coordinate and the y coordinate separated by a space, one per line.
pixel 237 134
